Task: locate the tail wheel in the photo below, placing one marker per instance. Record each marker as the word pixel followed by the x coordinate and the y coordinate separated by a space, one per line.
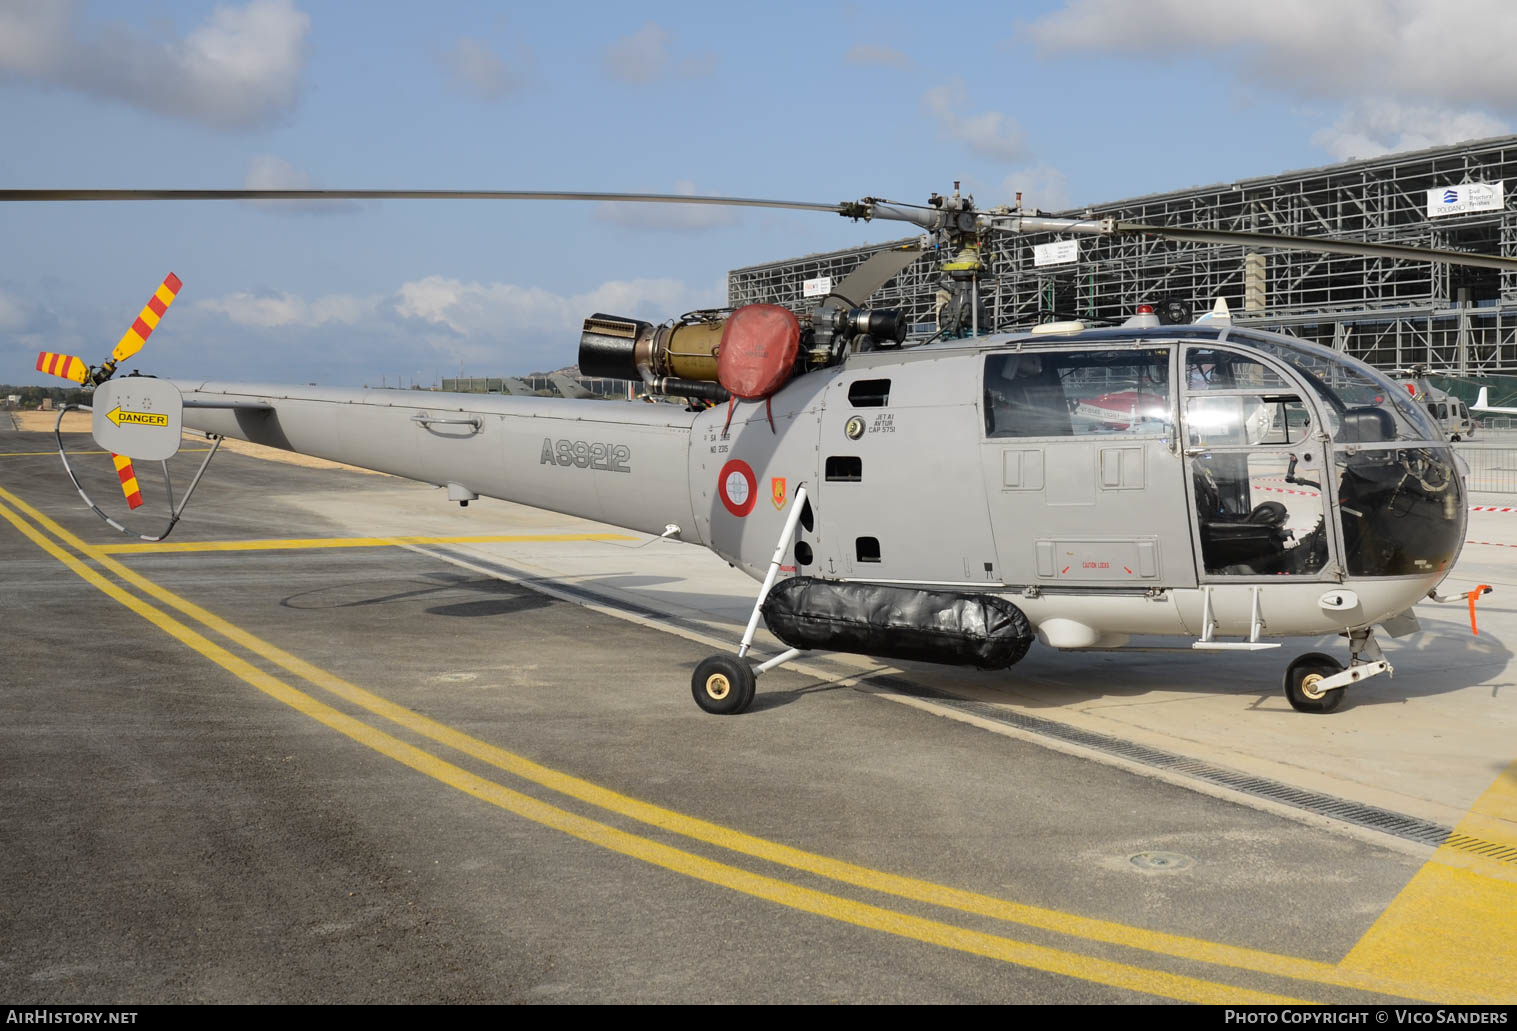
pixel 1302 678
pixel 723 685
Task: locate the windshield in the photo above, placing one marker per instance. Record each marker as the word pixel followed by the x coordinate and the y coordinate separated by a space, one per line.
pixel 1364 406
pixel 1403 510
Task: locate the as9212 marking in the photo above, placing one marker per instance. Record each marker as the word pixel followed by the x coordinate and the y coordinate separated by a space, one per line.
pixel 611 458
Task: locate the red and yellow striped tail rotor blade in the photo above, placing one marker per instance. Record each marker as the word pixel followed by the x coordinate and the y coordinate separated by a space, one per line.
pixel 147 321
pixel 65 365
pixel 129 485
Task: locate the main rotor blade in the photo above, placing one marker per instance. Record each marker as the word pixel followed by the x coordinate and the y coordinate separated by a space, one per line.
pixel 1245 238
pixel 640 198
pixel 860 284
pixel 1325 245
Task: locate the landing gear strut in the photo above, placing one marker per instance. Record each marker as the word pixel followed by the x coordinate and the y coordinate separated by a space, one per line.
pixel 1314 682
pixel 724 684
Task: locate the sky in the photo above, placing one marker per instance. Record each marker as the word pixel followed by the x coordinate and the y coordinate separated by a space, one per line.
pixel 1071 102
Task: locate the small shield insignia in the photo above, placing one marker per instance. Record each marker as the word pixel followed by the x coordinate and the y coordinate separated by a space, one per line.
pixel 777 491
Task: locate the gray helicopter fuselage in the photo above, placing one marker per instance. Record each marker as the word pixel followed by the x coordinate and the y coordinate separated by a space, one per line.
pixel 1110 482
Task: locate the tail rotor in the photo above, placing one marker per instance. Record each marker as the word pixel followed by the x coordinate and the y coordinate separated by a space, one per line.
pixel 69 367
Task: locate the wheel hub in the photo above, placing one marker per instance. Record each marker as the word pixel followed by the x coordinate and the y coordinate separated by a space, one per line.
pixel 1309 686
pixel 718 686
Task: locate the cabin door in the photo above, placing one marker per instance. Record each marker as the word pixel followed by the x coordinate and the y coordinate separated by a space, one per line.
pixel 1082 473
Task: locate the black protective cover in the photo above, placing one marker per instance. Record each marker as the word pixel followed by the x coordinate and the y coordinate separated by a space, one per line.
pixel 898 622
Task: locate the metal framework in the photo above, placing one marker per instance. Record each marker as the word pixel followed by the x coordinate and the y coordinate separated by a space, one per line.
pixel 1388 312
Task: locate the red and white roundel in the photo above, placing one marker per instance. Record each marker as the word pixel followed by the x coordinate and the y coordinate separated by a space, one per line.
pixel 738 487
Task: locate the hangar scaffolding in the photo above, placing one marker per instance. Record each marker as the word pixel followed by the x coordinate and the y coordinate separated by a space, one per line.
pixel 1389 312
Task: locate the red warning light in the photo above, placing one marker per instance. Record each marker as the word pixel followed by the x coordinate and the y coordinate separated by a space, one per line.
pixel 1145 309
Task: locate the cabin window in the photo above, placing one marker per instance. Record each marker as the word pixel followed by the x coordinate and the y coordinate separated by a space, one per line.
pixel 867 549
pixel 1078 394
pixel 845 469
pixel 869 393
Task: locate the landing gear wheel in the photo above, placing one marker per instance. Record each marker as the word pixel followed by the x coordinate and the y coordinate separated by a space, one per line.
pixel 723 685
pixel 1302 677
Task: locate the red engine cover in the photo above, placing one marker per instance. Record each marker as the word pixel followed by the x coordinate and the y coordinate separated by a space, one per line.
pixel 758 349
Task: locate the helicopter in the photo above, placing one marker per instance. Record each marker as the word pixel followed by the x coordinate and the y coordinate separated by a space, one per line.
pixel 1450 413
pixel 950 500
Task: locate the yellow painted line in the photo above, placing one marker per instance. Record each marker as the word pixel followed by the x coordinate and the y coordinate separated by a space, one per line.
pixel 1091 929
pixel 1026 954
pixel 299 543
pixel 1454 926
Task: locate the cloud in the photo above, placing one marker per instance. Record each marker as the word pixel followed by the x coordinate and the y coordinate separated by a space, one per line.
pixel 15 315
pixel 645 57
pixel 240 68
pixel 989 133
pixel 1419 49
pixel 1410 73
pixel 506 310
pixel 1042 186
pixel 480 72
pixel 679 218
pixel 277 309
pixel 882 57
pixel 1376 127
pixel 641 57
pixel 267 172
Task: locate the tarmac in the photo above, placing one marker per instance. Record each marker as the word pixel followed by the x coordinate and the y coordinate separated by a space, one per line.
pixel 339 740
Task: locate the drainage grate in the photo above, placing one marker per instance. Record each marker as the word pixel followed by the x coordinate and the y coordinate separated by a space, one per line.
pixel 1384 820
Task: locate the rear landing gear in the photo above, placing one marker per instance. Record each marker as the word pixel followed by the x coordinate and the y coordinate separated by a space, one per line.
pixel 1303 683
pixel 723 685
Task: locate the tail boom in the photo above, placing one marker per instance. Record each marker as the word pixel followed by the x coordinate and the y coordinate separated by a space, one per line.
pixel 622 464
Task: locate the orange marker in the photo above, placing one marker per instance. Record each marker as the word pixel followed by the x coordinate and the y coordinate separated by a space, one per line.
pixel 1472 595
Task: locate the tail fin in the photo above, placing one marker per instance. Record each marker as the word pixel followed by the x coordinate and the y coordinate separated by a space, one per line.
pixel 1482 402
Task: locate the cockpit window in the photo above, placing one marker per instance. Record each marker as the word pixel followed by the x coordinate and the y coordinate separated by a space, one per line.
pixel 1208 369
pixel 1246 419
pixel 1363 405
pixel 1078 393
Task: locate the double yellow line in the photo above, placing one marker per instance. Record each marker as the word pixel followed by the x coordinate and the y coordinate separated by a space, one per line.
pixel 27 520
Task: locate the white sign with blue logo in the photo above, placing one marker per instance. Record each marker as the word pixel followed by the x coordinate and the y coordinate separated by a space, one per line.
pixel 819 287
pixel 1060 252
pixel 1464 198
